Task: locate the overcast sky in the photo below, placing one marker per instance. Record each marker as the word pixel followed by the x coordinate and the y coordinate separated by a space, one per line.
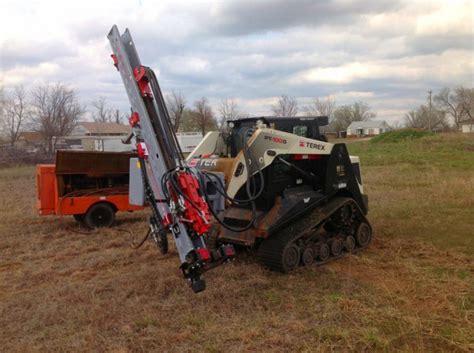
pixel 387 53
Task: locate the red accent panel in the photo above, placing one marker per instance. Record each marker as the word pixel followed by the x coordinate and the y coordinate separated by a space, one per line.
pixel 134 119
pixel 142 150
pixel 229 251
pixel 114 58
pixel 193 162
pixel 300 157
pixel 142 81
pixel 199 216
pixel 167 220
pixel 203 254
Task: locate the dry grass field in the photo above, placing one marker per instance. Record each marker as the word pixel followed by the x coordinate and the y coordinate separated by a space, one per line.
pixel 412 290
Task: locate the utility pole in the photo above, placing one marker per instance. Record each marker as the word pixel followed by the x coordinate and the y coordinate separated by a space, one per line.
pixel 429 109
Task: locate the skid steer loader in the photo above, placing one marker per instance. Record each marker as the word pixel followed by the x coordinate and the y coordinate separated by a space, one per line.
pixel 294 197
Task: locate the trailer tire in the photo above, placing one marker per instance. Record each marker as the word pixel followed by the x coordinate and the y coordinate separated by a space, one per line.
pixel 100 215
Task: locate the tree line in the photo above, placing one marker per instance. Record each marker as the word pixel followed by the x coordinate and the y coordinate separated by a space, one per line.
pixel 50 109
pixel 200 116
pixel 449 108
pixel 55 110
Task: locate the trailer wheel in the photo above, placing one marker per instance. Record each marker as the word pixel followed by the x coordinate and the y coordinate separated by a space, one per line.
pixel 100 215
pixel 79 218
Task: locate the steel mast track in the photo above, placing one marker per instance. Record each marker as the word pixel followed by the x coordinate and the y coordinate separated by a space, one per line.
pixel 171 188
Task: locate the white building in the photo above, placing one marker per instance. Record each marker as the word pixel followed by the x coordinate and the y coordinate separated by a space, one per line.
pixel 467 126
pixel 108 137
pixel 367 128
pixel 92 136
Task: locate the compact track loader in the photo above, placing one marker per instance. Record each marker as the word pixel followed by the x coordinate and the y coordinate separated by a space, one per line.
pixel 294 197
pixel 272 184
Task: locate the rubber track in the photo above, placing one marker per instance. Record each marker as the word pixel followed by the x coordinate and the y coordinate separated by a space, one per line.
pixel 271 250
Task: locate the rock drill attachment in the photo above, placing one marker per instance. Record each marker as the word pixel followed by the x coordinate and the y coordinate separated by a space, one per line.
pixel 172 189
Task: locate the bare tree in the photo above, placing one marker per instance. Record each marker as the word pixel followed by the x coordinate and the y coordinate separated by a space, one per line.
pixel 56 111
pixel 2 102
pixel 321 107
pixel 203 115
pixel 447 101
pixel 117 117
pixel 176 105
pixel 285 106
pixel 229 110
pixel 396 125
pixel 412 119
pixel 458 103
pixel 16 112
pixel 3 113
pixel 102 114
pixel 425 118
pixel 465 97
pixel 346 114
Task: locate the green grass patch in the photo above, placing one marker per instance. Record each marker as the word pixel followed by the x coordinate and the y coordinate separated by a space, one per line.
pixel 447 152
pixel 421 188
pixel 400 135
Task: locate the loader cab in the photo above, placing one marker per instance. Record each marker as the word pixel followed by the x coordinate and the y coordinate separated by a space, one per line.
pixel 242 129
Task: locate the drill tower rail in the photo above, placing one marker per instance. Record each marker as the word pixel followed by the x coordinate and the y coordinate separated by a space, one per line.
pixel 171 187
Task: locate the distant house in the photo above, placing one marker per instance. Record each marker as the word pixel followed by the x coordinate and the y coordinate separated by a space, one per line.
pixel 467 126
pixel 30 141
pixel 91 136
pixel 367 128
pixel 88 128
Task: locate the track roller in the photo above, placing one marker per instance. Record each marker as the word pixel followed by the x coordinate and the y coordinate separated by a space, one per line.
pixel 336 247
pixel 308 255
pixel 350 243
pixel 317 238
pixel 324 252
pixel 363 234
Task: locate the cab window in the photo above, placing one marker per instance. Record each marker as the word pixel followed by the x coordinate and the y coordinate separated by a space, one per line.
pixel 300 130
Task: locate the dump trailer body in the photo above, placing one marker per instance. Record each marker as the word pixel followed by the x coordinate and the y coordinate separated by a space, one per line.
pixel 80 180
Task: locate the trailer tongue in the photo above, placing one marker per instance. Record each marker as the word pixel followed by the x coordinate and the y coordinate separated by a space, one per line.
pixel 171 187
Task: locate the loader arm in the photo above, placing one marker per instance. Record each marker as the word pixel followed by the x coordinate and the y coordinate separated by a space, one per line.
pixel 267 144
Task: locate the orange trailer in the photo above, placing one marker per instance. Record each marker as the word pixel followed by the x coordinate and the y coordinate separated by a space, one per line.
pixel 91 186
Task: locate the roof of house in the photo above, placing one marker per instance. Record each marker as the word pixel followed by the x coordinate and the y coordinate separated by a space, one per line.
pixel 105 128
pixel 31 136
pixel 367 124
